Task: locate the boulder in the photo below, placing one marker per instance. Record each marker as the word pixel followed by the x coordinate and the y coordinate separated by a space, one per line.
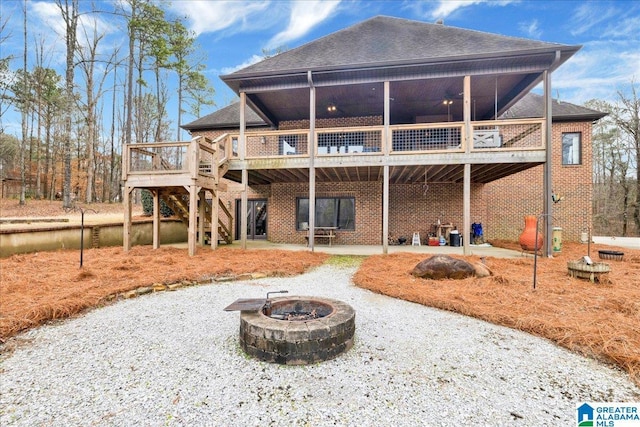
pixel 445 267
pixel 481 270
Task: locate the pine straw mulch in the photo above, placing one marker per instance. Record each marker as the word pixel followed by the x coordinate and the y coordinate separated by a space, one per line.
pixel 600 320
pixel 40 287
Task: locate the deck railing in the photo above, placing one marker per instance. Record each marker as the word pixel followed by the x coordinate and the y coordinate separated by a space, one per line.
pixel 505 135
pixel 199 157
pixel 203 157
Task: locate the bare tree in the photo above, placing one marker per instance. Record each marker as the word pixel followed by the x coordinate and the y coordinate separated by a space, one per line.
pixel 94 84
pixel 627 117
pixel 24 112
pixel 616 154
pixel 5 75
pixel 69 10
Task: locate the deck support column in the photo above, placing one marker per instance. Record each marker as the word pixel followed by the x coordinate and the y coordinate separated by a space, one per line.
pixel 215 206
pixel 242 152
pixel 193 212
pixel 202 204
pixel 547 181
pixel 466 190
pixel 156 218
pixel 126 229
pixel 466 209
pixel 385 183
pixel 312 168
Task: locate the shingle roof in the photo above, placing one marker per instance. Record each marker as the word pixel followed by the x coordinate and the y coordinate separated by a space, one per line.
pixel 226 117
pixel 370 43
pixel 532 105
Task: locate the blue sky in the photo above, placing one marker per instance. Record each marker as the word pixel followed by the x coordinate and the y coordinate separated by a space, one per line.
pixel 233 34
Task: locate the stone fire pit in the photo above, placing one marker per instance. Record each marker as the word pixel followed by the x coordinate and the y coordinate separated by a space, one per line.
pixel 297 330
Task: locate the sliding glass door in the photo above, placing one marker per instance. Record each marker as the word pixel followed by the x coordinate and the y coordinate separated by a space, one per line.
pixel 256 219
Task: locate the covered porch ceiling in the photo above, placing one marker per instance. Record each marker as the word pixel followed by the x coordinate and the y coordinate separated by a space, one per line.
pixel 411 100
pixel 411 174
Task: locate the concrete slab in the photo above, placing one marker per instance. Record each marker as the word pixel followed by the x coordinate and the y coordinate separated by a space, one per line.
pixel 366 250
pixel 625 242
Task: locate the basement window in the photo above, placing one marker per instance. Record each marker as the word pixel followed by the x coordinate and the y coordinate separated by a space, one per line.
pixel 572 148
pixel 337 212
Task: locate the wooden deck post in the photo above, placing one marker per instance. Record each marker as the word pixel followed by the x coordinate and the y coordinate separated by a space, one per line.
pixel 193 211
pixel 156 218
pixel 202 202
pixel 126 228
pixel 548 180
pixel 242 152
pixel 215 206
pixel 312 168
pixel 385 183
pixel 466 191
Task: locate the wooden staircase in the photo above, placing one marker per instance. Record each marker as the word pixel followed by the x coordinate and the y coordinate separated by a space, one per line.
pixel 178 202
pixel 187 176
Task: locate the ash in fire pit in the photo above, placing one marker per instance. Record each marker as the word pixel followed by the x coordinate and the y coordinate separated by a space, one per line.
pixel 297 330
pixel 295 311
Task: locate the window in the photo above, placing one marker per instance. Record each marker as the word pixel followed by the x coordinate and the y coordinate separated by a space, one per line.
pixel 572 148
pixel 337 212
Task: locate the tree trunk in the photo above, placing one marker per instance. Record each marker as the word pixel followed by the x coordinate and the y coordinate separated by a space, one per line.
pixel 24 115
pixel 70 15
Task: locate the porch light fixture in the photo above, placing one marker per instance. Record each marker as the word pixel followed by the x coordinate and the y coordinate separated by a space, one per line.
pixel 332 108
pixel 448 103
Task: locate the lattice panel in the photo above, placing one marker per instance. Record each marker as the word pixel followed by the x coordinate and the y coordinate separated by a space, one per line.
pixel 426 139
pixel 349 142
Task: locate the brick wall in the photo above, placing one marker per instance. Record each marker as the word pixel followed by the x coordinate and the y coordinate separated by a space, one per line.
pixel 411 209
pixel 500 206
pixel 368 221
pixel 513 197
pixel 331 123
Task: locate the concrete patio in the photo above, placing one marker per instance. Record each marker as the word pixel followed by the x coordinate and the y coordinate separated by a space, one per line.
pixel 365 250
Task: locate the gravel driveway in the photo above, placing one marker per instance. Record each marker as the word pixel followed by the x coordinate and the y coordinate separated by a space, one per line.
pixel 173 359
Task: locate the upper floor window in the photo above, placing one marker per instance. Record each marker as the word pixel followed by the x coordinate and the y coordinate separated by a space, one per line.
pixel 572 148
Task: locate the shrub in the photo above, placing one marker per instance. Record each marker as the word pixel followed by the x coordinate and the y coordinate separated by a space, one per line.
pixel 147 205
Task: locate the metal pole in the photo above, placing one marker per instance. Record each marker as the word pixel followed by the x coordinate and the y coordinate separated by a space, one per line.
pixel 535 251
pixel 81 235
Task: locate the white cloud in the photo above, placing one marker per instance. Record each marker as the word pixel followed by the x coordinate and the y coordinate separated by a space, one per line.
pixel 624 28
pixel 589 15
pixel 305 15
pixel 250 61
pixel 531 29
pixel 597 71
pixel 211 16
pixel 446 8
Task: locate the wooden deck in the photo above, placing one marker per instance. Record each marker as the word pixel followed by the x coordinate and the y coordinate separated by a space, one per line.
pixel 186 176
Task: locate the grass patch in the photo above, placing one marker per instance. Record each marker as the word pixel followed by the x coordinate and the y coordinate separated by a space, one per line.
pixel 345 260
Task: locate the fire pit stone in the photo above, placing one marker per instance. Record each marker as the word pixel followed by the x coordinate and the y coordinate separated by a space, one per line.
pixel 298 342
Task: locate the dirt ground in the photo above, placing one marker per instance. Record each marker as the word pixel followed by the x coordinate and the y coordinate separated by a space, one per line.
pixel 11 208
pixel 600 320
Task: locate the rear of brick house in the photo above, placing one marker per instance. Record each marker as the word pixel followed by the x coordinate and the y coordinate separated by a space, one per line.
pixel 389 127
